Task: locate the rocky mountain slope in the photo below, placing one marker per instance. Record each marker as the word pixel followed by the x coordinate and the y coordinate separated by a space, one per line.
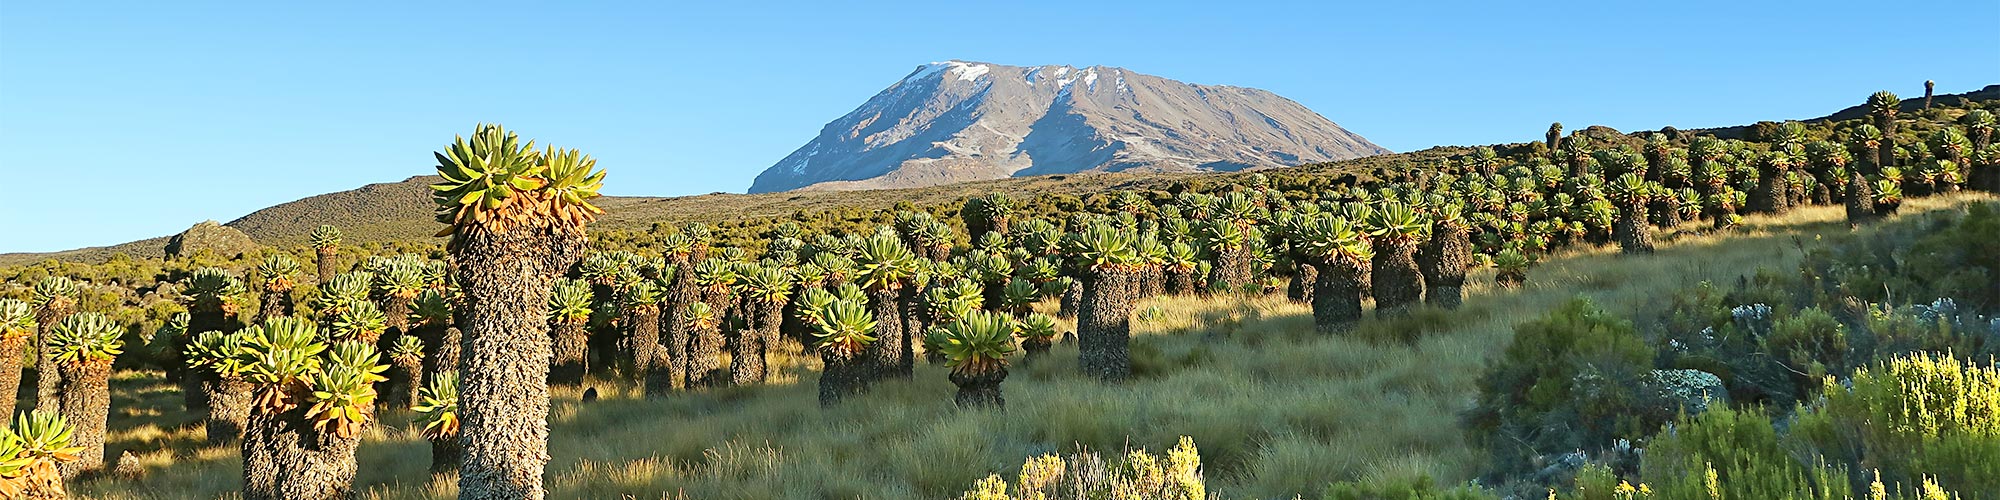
pixel 958 121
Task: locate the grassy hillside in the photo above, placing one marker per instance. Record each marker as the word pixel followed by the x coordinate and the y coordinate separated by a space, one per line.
pixel 1278 411
pixel 402 211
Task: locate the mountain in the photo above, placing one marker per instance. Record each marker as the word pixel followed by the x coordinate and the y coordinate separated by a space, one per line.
pixel 957 121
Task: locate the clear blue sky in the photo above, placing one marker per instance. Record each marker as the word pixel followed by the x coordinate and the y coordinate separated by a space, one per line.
pixel 131 120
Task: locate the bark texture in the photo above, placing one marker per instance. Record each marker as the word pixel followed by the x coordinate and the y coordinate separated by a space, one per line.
pixel 980 390
pixel 284 458
pixel 48 379
pixel 640 344
pixel 1443 259
pixel 843 376
pixel 325 256
pixel 505 353
pixel 85 397
pixel 1860 201
pixel 10 370
pixel 1337 298
pixel 884 356
pixel 1398 284
pixel 570 348
pixel 1634 233
pixel 1104 324
pixel 229 401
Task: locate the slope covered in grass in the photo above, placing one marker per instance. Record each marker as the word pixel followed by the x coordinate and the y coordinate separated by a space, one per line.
pixel 1277 409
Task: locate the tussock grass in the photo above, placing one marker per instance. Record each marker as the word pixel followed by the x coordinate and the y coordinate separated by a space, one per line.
pixel 1277 409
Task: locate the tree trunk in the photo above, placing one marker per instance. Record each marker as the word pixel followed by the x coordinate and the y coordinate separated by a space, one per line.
pixel 285 458
pixel 443 355
pixel 640 344
pixel 1072 300
pixel 1183 281
pixel 11 351
pixel 325 256
pixel 677 334
pixel 570 346
pixel 884 356
pixel 1299 291
pixel 1104 324
pixel 1336 298
pixel 272 304
pixel 406 377
pixel 704 357
pixel 85 398
pixel 1443 259
pixel 1398 284
pixel 229 401
pixel 1635 234
pixel 981 390
pixel 48 378
pixel 1232 268
pixel 504 368
pixel 842 377
pixel 913 329
pixel 1860 201
pixel 746 358
pixel 1035 348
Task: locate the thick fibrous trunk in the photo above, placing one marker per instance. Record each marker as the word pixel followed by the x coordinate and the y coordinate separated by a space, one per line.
pixel 1299 291
pixel 10 370
pixel 273 304
pixel 406 376
pixel 913 328
pixel 1860 200
pixel 1072 299
pixel 676 333
pixel 640 344
pixel 1443 259
pixel 48 379
pixel 1152 282
pixel 1035 347
pixel 1183 281
pixel 396 314
pixel 1337 297
pixel 1104 323
pixel 285 458
pixel 1635 235
pixel 505 353
pixel 843 376
pixel 444 343
pixel 746 358
pixel 229 401
pixel 1232 268
pixel 85 397
pixel 325 255
pixel 980 390
pixel 570 348
pixel 1398 284
pixel 1769 195
pixel 704 355
pixel 884 356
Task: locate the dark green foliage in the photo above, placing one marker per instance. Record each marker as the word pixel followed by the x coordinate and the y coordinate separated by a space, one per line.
pixel 1574 370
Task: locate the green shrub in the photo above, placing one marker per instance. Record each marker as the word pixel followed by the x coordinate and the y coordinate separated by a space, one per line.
pixel 1728 453
pixel 1915 416
pixel 1575 371
pixel 1811 344
pixel 1415 488
pixel 1136 476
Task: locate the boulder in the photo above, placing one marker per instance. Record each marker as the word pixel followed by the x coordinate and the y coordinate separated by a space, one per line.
pixel 224 241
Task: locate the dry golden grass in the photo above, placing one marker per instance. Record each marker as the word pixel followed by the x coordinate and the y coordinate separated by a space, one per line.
pixel 1276 409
